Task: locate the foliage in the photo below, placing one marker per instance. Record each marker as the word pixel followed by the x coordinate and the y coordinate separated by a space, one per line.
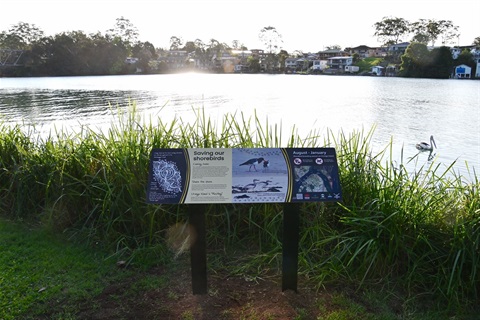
pixel 426 31
pixel 76 53
pixel 466 57
pixel 175 43
pixel 21 36
pixel 391 30
pixel 125 31
pixel 419 62
pixel 420 227
pixel 333 47
pixel 476 42
pixel 253 64
pixel 367 63
pixel 271 38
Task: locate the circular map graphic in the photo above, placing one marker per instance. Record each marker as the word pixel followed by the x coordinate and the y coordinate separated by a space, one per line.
pixel 167 176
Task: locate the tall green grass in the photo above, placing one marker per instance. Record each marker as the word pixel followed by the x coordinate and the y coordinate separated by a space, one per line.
pixel 421 228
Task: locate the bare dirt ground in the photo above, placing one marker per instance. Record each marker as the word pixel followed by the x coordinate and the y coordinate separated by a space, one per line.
pixel 229 297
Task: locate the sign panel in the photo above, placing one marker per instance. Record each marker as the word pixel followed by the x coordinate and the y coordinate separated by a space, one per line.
pixel 243 175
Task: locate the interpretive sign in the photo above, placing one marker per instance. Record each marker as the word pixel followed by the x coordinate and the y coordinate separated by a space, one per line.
pixel 243 175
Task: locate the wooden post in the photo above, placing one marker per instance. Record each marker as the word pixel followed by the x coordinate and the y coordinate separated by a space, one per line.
pixel 198 251
pixel 291 226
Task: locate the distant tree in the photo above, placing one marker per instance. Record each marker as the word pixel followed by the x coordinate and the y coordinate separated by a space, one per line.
pixel 419 62
pixel 236 45
pixel 199 46
pixel 21 36
pixel 200 52
pixel 175 43
pixel 466 57
pixel 334 47
pixel 415 61
pixel 282 56
pixel 124 30
pixel 215 48
pixel 213 44
pixel 428 31
pixel 355 58
pixel 11 41
pixel 74 53
pixel 144 52
pixel 29 33
pixel 441 63
pixel 272 41
pixel 476 42
pixel 270 37
pixel 298 53
pixel 189 46
pixel 391 30
pixel 68 54
pixel 253 64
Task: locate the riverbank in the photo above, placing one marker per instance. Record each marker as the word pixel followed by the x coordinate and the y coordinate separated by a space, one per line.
pixel 414 233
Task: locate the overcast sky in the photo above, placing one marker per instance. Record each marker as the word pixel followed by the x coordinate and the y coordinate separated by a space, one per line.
pixel 307 25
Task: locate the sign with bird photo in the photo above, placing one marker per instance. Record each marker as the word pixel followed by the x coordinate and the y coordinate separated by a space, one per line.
pixel 243 175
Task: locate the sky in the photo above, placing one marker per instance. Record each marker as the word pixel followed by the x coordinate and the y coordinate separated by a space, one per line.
pixel 305 25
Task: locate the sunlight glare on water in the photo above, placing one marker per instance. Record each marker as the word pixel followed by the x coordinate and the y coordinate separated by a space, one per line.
pixel 405 110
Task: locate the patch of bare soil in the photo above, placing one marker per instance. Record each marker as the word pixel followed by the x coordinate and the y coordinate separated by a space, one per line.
pixel 229 297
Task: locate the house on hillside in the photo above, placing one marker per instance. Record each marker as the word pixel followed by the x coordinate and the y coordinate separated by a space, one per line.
pixel 399 48
pixel 324 55
pixel 377 71
pixel 176 59
pixel 319 65
pixel 338 64
pixel 462 72
pixel 362 51
pixel 367 52
pixel 290 64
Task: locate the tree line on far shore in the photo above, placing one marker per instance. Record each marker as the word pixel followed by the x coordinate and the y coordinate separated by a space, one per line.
pixel 75 53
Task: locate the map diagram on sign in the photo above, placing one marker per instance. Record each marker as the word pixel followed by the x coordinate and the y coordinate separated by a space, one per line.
pixel 167 176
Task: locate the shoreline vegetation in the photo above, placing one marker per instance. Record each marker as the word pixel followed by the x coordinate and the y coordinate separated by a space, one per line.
pixel 418 232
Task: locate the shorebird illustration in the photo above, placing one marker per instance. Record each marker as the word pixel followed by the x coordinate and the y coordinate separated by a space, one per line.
pixel 264 184
pixel 251 186
pixel 252 163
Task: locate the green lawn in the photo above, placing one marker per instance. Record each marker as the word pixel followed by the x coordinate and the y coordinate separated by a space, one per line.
pixel 43 275
pixel 38 269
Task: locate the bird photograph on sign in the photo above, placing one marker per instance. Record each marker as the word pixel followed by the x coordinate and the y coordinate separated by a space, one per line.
pixel 259 175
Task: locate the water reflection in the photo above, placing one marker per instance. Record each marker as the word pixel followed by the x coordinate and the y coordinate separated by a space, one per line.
pixel 409 110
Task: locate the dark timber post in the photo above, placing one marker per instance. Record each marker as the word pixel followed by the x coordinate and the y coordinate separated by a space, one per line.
pixel 198 251
pixel 291 226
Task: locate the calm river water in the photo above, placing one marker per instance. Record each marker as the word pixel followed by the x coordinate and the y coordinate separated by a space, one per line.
pixel 405 110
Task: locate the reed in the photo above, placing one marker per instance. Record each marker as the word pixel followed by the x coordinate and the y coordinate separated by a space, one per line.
pixel 421 228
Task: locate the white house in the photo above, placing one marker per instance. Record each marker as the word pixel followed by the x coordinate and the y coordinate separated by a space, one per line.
pixel 398 48
pixel 462 72
pixel 319 65
pixel 377 71
pixel 290 63
pixel 339 63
